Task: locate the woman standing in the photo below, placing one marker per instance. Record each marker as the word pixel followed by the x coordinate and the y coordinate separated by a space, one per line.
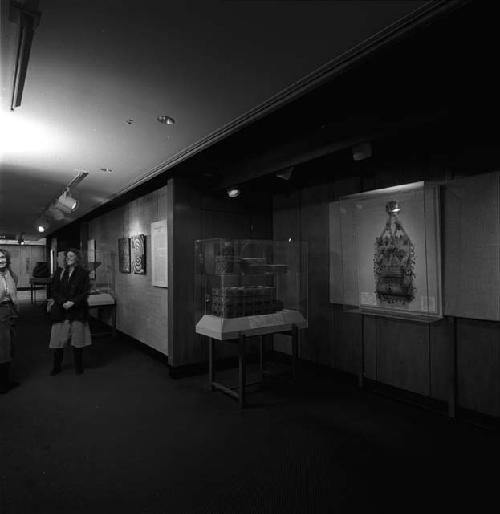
pixel 69 313
pixel 8 315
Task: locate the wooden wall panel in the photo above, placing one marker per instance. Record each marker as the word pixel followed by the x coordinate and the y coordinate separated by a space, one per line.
pixel 314 210
pixel 403 354
pixel 472 247
pixel 345 340
pixel 441 334
pixel 141 309
pixel 370 346
pixel 186 228
pixel 478 366
pixel 286 224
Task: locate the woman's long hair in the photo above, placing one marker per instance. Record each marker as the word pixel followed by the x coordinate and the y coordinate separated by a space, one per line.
pixel 77 253
pixel 7 257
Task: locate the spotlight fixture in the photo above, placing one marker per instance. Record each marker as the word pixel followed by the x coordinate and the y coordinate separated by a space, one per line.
pixel 42 225
pixel 66 203
pixel 362 151
pixel 285 174
pixel 392 207
pixel 165 120
pixel 233 192
pixel 20 238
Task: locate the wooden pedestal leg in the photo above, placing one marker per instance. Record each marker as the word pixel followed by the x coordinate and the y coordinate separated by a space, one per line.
pixel 295 351
pixel 211 374
pixel 361 374
pixel 452 398
pixel 262 348
pixel 113 321
pixel 242 371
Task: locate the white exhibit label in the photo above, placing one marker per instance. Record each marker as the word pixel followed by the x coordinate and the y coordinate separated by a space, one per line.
pixel 428 303
pixel 367 298
pixel 159 253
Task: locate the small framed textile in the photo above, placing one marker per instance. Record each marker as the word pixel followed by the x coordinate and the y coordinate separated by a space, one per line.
pixel 124 255
pixel 138 248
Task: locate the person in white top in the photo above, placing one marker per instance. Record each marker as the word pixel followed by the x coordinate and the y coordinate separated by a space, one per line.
pixel 8 315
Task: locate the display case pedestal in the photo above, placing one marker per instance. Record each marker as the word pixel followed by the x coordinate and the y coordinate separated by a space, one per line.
pixel 103 301
pixel 286 322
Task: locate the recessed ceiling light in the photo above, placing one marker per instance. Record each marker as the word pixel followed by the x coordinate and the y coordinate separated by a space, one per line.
pixel 129 122
pixel 233 192
pixel 165 120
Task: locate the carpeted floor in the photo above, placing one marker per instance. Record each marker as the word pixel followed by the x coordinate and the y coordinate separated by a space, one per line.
pixel 126 438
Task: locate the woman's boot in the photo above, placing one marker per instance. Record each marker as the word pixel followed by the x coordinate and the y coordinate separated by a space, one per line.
pixel 58 358
pixel 78 358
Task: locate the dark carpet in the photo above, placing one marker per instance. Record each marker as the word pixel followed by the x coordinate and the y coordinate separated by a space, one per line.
pixel 126 438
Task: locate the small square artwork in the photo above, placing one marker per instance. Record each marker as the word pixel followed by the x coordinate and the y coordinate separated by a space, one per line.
pixel 91 253
pixel 138 254
pixel 124 255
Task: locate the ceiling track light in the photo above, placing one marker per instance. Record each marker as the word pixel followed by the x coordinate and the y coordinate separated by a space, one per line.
pixel 165 120
pixel 28 20
pixel 285 174
pixel 64 203
pixel 42 225
pixel 362 151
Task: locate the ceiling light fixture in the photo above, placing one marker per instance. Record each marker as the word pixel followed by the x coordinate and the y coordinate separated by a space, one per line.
pixel 362 151
pixel 42 225
pixel 285 174
pixel 392 207
pixel 64 203
pixel 165 120
pixel 233 192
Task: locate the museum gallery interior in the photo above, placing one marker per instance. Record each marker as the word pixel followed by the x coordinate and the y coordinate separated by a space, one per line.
pixel 290 217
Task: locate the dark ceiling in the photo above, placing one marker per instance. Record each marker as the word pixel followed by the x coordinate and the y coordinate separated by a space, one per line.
pixel 100 72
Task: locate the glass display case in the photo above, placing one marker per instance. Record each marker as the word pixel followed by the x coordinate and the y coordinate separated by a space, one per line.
pixel 249 286
pixel 102 276
pixel 386 251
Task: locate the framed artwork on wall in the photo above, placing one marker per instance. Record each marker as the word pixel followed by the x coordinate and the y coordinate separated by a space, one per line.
pixel 138 254
pixel 124 255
